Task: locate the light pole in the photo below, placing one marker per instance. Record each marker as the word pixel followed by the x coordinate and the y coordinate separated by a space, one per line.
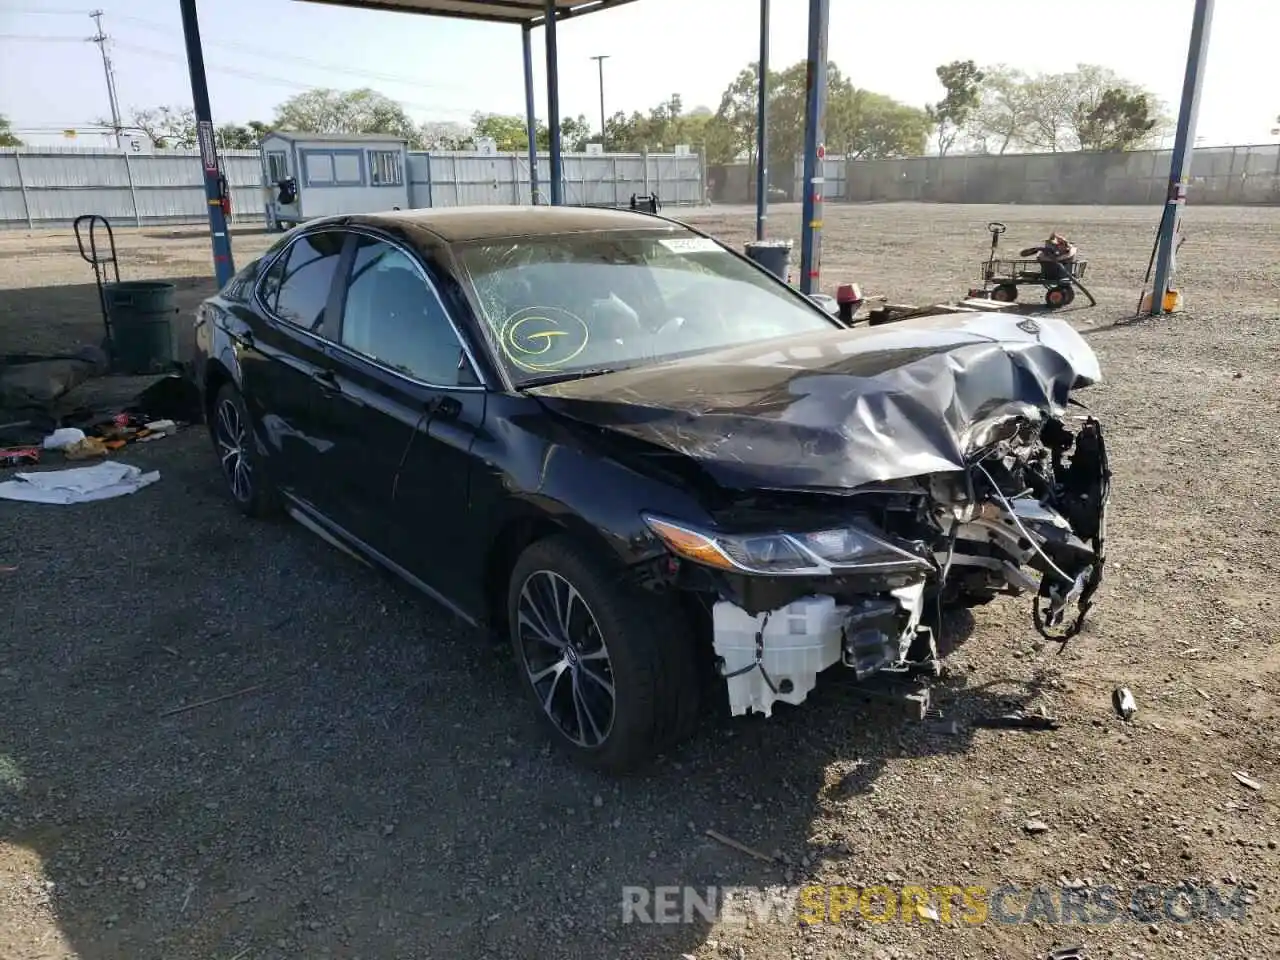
pixel 600 59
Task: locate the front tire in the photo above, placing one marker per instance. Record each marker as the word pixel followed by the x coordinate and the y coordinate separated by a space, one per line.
pixel 610 667
pixel 242 465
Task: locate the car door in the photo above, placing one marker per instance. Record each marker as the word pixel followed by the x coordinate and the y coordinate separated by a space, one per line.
pixel 402 413
pixel 281 350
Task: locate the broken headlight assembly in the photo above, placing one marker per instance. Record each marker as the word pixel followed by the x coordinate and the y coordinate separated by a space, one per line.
pixel 818 553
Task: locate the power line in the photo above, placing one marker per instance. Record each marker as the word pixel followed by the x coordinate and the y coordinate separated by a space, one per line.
pixel 276 55
pixel 39 38
pixel 270 78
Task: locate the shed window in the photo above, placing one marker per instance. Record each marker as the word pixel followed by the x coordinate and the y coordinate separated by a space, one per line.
pixel 277 165
pixel 319 168
pixel 385 169
pixel 333 168
pixel 346 168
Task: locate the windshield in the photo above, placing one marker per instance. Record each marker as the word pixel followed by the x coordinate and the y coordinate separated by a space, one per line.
pixel 570 304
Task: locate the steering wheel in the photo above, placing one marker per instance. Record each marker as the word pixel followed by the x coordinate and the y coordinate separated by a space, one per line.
pixel 996 227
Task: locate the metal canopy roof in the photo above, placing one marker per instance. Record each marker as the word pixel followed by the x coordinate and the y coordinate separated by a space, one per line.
pixel 531 12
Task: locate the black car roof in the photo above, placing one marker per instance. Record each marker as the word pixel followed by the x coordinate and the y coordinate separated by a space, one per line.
pixel 460 224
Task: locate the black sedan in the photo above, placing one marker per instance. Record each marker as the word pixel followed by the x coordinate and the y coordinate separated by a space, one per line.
pixel 661 472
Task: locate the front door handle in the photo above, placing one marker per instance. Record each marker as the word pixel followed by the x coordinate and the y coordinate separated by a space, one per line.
pixel 327 380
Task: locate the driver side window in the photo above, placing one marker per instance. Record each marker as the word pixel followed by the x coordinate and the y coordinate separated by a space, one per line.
pixel 393 316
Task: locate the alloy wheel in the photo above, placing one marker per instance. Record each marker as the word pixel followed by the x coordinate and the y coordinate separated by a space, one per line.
pixel 232 440
pixel 565 658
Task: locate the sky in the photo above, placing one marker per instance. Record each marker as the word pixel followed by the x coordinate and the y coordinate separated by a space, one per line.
pixel 260 52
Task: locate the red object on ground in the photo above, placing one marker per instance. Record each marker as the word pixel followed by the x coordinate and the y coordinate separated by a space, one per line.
pixel 19 456
pixel 848 293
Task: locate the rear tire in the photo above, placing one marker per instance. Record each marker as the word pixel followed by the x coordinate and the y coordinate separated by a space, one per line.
pixel 1059 296
pixel 1005 293
pixel 243 466
pixel 611 668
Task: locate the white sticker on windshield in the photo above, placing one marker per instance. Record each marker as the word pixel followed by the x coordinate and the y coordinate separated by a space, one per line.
pixel 690 245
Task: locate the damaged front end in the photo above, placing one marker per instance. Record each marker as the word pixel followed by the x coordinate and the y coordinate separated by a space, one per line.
pixel 810 579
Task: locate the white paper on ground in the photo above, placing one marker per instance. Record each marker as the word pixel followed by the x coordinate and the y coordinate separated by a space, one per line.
pixel 62 438
pixel 78 485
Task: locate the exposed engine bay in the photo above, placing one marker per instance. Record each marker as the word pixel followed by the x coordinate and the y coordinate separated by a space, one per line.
pixel 858 482
pixel 1028 517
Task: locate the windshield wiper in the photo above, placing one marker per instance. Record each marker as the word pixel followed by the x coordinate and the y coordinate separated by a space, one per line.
pixel 548 378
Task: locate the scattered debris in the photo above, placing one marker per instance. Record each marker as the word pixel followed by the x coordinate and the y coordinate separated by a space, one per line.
pixel 1035 826
pixel 1203 694
pixel 741 847
pixel 204 703
pixel 1067 953
pixel 1122 700
pixel 62 438
pixel 927 912
pixel 9 568
pixel 77 485
pixel 86 448
pixel 19 456
pixel 1247 780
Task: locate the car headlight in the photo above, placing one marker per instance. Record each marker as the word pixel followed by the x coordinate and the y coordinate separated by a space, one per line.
pixel 785 554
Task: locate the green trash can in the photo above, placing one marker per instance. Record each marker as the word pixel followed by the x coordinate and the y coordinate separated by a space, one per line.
pixel 142 333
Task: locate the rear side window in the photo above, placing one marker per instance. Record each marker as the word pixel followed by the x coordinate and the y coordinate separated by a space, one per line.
pixel 393 316
pixel 297 287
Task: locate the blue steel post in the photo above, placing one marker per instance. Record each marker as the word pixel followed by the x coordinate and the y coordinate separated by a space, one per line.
pixel 223 266
pixel 814 122
pixel 530 118
pixel 762 126
pixel 553 105
pixel 1183 147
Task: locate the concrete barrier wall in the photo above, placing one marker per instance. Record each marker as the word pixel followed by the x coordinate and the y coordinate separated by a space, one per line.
pixel 1220 175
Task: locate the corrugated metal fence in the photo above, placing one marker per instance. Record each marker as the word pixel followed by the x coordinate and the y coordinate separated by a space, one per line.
pixel 468 179
pixel 43 186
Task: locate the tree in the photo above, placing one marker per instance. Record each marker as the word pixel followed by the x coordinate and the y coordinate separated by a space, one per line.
pixel 345 111
pixel 7 139
pixel 165 126
pixel 962 81
pixel 860 122
pixel 1120 121
pixel 1060 111
pixel 737 113
pixel 442 135
pixel 233 136
pixel 882 127
pixel 510 135
pixel 1005 111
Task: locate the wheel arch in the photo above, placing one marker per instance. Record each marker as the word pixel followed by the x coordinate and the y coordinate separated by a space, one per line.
pixel 515 535
pixel 216 376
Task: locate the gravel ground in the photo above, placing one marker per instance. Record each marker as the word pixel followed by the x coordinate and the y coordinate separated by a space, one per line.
pixel 378 787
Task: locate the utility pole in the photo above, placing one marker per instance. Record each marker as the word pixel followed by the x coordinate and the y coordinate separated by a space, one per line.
pixel 224 266
pixel 101 40
pixel 762 125
pixel 600 66
pixel 1183 147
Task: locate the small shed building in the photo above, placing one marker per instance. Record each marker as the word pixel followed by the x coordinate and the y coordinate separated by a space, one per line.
pixel 310 175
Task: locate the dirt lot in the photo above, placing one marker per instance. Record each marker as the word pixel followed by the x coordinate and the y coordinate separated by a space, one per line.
pixel 382 790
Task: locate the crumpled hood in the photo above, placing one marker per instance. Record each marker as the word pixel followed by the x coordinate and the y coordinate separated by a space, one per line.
pixel 841 408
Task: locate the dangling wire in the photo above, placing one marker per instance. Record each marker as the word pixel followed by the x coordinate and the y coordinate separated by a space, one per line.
pixel 428 411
